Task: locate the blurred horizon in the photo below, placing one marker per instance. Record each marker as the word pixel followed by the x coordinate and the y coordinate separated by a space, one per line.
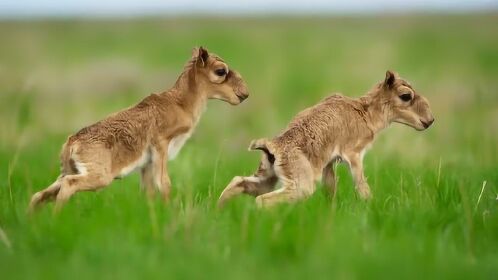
pixel 434 212
pixel 11 9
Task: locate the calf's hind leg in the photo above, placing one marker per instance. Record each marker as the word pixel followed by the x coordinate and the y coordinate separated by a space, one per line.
pixel 45 195
pixel 94 172
pixel 297 183
pixel 291 191
pixel 71 184
pixel 263 181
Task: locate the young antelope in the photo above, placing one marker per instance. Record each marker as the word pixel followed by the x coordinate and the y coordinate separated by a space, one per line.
pixel 146 135
pixel 337 129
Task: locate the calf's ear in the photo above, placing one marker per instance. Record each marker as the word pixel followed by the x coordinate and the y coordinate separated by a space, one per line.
pixel 390 78
pixel 201 54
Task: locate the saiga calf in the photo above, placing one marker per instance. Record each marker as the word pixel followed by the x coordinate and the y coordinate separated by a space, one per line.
pixel 337 129
pixel 144 136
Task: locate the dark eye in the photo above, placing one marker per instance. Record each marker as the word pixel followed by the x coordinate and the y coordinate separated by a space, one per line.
pixel 406 97
pixel 220 72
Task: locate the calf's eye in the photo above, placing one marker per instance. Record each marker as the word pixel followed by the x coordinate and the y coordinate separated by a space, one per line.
pixel 406 97
pixel 220 72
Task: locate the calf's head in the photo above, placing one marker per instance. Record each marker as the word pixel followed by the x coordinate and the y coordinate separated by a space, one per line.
pixel 405 105
pixel 216 79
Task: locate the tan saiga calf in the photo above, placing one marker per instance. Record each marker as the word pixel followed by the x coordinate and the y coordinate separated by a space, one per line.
pixel 146 135
pixel 337 129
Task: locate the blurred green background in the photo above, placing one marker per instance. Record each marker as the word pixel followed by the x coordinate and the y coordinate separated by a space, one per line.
pixel 430 217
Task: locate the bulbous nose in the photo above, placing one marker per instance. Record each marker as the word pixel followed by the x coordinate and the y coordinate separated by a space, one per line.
pixel 243 96
pixel 428 123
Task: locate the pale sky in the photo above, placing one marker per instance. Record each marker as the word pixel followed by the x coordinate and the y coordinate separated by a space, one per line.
pixel 26 8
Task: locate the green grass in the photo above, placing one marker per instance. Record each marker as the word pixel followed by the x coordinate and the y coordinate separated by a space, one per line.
pixel 425 219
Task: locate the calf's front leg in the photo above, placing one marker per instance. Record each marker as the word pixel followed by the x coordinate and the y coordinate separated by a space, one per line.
pixel 356 168
pixel 147 180
pixel 160 173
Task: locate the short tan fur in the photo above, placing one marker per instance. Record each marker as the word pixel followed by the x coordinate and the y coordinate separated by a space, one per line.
pixel 338 129
pixel 144 136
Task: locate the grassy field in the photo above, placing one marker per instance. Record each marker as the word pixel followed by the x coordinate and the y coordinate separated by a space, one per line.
pixel 430 217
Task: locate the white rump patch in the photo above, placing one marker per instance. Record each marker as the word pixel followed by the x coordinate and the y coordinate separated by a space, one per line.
pixel 80 167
